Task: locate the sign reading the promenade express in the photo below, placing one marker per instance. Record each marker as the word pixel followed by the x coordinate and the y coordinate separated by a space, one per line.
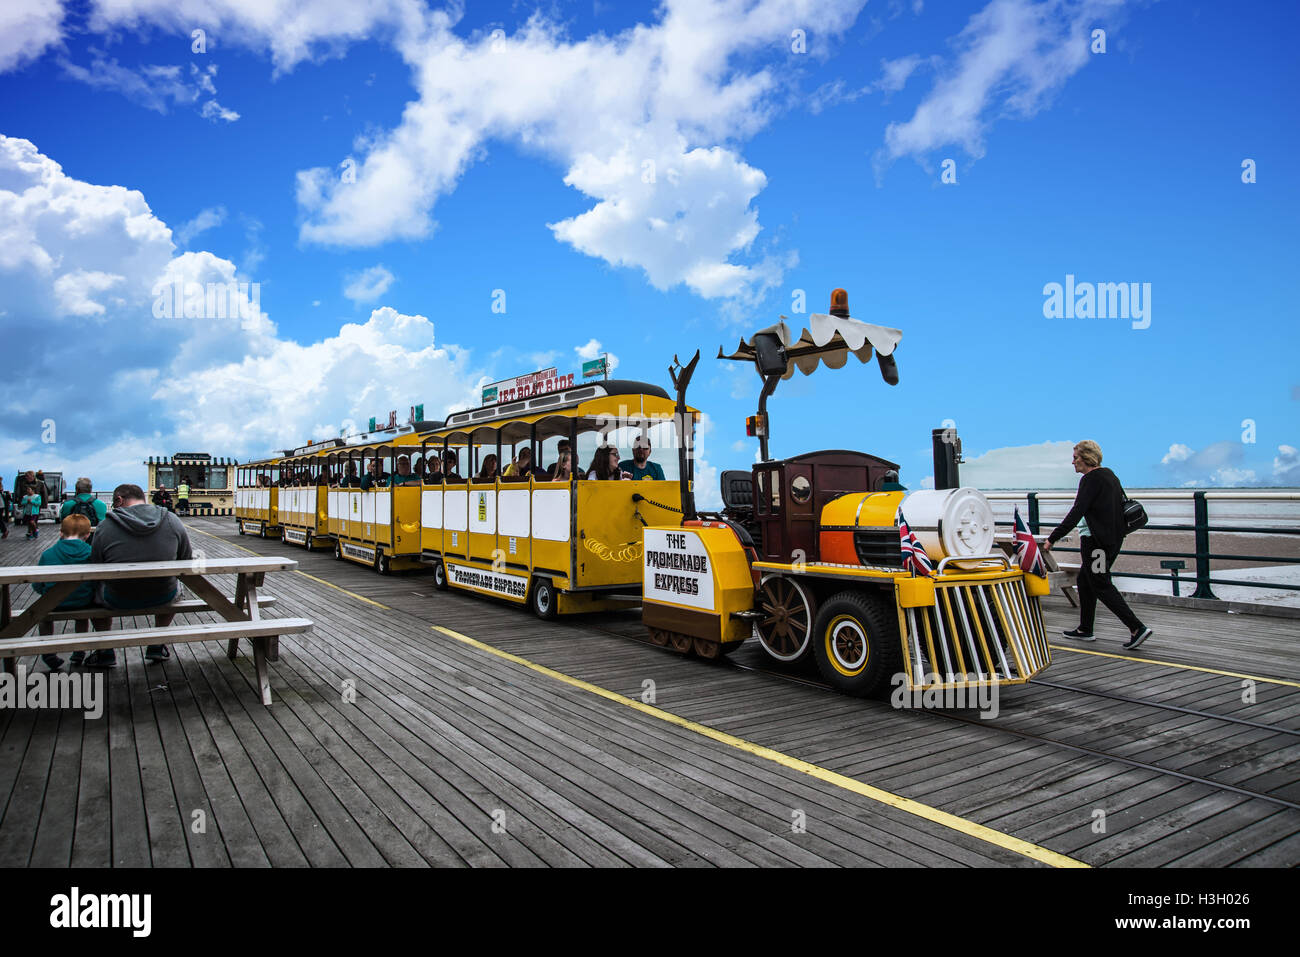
pixel 677 569
pixel 526 386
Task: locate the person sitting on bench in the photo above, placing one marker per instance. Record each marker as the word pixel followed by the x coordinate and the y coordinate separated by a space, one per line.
pixel 136 531
pixel 71 549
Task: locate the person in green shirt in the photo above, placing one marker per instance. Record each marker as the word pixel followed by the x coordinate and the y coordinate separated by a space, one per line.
pixel 404 475
pixel 640 466
pixel 71 549
pixel 84 503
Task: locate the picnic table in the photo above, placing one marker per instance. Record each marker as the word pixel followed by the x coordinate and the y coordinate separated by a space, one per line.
pixel 242 613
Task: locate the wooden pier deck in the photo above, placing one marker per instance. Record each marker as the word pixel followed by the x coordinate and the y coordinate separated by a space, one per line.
pixel 496 739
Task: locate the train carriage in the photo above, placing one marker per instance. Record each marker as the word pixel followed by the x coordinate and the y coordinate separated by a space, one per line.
pixel 558 546
pixel 372 498
pixel 305 478
pixel 257 498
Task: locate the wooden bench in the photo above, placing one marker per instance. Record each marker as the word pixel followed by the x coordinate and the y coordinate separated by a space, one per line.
pixel 259 632
pixel 242 614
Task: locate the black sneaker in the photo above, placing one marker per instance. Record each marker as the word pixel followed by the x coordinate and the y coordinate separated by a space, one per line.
pixel 1079 635
pixel 1137 638
pixel 78 657
pixel 157 653
pixel 52 661
pixel 104 658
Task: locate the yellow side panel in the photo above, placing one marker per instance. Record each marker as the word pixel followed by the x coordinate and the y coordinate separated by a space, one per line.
pixel 322 510
pixel 608 547
pixel 406 520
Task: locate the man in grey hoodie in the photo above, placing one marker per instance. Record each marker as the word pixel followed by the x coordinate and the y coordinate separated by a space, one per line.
pixel 135 531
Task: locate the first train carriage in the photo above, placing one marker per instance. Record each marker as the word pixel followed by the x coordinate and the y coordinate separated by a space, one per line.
pixel 558 546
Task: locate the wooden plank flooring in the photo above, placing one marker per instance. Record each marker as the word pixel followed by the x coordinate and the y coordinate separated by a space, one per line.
pixel 452 756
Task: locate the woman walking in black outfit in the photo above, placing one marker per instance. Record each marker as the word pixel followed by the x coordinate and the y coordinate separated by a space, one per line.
pixel 1099 512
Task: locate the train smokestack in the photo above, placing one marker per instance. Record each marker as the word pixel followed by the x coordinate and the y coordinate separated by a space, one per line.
pixel 947 456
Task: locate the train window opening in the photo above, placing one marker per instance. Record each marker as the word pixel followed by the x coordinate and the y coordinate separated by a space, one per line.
pixel 456 465
pixel 551 431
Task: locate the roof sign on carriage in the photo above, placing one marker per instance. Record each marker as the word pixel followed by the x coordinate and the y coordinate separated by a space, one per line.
pixel 596 367
pixel 316 445
pixel 526 386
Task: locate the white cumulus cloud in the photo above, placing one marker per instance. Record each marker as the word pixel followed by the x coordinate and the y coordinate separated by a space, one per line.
pixel 86 274
pixel 27 29
pixel 1012 57
pixel 368 285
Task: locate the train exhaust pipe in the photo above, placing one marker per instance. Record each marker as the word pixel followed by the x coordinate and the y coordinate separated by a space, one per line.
pixel 947 456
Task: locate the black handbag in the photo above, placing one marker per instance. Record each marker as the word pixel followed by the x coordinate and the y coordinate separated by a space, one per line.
pixel 1135 516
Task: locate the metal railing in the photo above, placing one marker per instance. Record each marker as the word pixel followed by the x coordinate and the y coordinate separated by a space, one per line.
pixel 1201 527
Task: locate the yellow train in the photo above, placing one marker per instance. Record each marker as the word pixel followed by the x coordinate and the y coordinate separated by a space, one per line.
pixel 806 555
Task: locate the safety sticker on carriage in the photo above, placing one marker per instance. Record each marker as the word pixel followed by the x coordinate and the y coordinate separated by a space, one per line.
pixel 677 569
pixel 508 586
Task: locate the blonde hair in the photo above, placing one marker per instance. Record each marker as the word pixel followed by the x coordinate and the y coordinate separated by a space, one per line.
pixel 1089 453
pixel 75 526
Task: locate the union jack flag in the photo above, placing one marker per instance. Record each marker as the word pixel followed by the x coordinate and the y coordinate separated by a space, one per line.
pixel 1027 553
pixel 914 557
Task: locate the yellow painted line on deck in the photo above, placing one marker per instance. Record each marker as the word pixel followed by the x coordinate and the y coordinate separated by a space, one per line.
pixel 352 594
pixel 1174 664
pixel 969 828
pixel 368 601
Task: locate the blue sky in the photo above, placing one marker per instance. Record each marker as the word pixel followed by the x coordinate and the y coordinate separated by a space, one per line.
pixel 505 147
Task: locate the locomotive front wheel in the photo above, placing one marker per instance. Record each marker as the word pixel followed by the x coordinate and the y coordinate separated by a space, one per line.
pixel 680 643
pixel 856 643
pixel 785 630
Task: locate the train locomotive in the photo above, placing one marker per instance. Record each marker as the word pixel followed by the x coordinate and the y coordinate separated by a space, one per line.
pixel 809 553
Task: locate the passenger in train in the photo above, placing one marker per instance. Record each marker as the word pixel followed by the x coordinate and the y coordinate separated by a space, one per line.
pixel 488 470
pixel 521 469
pixel 349 479
pixel 562 470
pixel 640 466
pixel 404 475
pixel 561 447
pixel 451 467
pixel 375 476
pixel 606 465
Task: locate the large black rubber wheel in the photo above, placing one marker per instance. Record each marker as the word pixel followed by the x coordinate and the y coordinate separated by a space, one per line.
pixel 241 529
pixel 439 576
pixel 383 563
pixel 338 549
pixel 856 643
pixel 262 530
pixel 542 599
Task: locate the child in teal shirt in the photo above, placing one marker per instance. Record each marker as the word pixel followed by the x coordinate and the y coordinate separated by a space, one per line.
pixel 71 549
pixel 30 508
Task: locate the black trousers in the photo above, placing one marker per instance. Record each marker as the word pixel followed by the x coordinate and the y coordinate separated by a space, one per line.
pixel 1096 584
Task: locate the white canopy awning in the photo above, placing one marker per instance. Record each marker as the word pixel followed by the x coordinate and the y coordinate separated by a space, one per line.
pixel 827 339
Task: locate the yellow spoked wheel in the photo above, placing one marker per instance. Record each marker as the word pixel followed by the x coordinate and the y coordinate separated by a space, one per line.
pixel 856 642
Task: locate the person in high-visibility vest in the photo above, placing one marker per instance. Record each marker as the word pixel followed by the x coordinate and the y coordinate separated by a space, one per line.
pixel 183 497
